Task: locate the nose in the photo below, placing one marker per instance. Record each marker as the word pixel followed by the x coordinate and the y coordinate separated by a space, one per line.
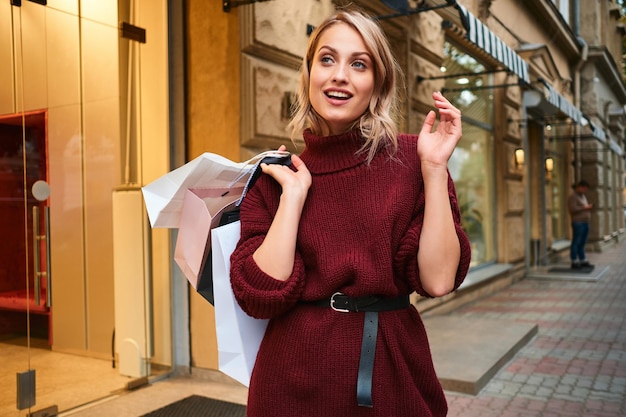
pixel 340 74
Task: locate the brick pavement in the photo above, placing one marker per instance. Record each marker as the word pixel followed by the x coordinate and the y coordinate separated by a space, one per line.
pixel 576 365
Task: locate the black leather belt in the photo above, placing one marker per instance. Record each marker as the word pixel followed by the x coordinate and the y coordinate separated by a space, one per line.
pixel 371 305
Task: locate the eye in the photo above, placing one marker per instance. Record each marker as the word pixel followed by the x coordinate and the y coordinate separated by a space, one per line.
pixel 359 64
pixel 326 59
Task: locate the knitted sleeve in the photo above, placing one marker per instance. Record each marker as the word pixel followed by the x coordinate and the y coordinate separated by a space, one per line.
pixel 405 261
pixel 258 294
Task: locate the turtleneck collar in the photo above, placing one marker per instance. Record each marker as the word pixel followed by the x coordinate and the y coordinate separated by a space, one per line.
pixel 326 154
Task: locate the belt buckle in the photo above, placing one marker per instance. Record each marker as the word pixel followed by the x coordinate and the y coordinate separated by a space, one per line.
pixel 332 303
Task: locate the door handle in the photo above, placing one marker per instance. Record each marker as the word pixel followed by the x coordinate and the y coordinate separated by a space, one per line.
pixel 36 255
pixel 48 273
pixel 38 273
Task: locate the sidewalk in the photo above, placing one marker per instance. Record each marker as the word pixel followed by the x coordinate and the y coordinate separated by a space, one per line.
pixel 576 364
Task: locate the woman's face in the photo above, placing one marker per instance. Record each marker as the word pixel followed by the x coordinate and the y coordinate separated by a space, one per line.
pixel 341 78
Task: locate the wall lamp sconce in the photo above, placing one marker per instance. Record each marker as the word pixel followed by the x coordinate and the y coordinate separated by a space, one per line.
pixel 519 157
pixel 549 164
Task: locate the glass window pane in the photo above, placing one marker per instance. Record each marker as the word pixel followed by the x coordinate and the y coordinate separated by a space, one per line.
pixel 469 90
pixel 471 167
pixel 559 190
pixel 471 164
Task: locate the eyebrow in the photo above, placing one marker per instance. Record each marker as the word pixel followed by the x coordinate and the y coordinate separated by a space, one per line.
pixel 354 54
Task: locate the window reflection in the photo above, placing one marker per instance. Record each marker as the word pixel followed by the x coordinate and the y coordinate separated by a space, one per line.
pixel 471 165
pixel 556 186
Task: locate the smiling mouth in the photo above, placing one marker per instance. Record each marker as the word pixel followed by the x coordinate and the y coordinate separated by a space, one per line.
pixel 339 95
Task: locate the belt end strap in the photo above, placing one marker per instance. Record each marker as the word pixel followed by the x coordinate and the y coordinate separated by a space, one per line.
pixel 366 363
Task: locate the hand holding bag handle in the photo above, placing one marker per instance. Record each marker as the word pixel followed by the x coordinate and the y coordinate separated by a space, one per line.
pixel 205 274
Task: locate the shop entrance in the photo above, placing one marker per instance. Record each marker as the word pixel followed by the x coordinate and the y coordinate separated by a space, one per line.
pixel 63 153
pixel 42 377
pixel 23 284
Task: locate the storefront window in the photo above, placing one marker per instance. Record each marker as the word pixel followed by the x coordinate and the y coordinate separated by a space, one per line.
pixel 471 164
pixel 555 178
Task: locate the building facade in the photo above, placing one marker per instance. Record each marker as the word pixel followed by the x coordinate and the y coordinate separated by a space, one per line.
pixel 533 83
pixel 106 96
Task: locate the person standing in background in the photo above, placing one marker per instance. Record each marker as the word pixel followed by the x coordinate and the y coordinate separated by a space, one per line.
pixel 580 213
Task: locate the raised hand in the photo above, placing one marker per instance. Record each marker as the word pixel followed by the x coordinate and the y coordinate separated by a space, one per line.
pixel 439 253
pixel 435 147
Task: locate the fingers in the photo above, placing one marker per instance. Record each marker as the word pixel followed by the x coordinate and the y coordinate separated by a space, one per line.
pixel 294 184
pixel 297 163
pixel 282 173
pixel 428 124
pixel 273 169
pixel 449 117
pixel 444 106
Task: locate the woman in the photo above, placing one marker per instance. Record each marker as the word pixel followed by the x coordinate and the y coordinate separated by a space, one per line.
pixel 332 247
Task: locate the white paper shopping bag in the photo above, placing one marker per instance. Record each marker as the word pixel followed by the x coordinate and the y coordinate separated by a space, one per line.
pixel 164 196
pixel 238 335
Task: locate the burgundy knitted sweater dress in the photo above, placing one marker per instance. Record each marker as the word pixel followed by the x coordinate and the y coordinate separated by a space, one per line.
pixel 359 234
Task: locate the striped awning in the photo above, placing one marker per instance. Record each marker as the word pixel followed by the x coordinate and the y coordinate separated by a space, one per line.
pixel 598 132
pixel 560 102
pixel 485 39
pixel 615 147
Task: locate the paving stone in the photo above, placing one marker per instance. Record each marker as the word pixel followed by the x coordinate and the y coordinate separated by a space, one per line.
pixel 576 364
pixel 467 352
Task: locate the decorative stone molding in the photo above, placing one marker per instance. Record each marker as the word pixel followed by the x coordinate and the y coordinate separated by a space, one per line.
pixel 281 26
pixel 514 123
pixel 265 45
pixel 515 197
pixel 516 242
pixel 483 9
pixel 262 106
pixel 511 169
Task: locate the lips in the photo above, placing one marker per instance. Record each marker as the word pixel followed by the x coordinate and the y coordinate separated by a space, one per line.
pixel 338 95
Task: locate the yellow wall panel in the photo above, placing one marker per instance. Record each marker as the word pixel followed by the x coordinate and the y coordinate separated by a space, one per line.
pixel 213 107
pixel 104 12
pixel 66 215
pixel 68 6
pixel 213 79
pixel 155 146
pixel 99 51
pixel 155 140
pixel 101 159
pixel 63 58
pixel 33 53
pixel 7 99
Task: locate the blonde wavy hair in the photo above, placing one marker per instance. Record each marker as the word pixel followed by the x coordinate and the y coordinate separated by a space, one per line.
pixel 377 124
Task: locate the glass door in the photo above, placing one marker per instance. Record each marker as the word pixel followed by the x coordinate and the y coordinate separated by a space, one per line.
pixel 61 162
pixel 25 303
pixel 44 378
